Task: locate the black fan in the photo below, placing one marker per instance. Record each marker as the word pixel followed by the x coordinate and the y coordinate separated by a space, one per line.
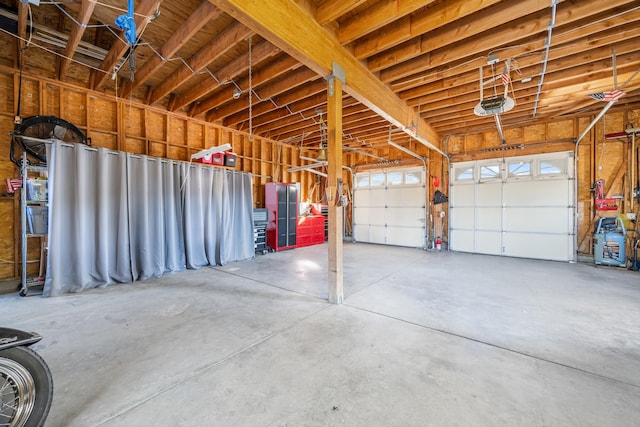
pixel 32 133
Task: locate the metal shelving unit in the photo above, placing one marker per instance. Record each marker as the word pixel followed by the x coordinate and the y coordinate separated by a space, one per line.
pixel 29 286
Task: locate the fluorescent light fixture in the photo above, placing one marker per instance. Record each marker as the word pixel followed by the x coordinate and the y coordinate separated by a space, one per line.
pixel 212 150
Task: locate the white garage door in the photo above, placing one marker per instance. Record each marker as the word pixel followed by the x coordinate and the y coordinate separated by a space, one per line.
pixel 519 206
pixel 389 207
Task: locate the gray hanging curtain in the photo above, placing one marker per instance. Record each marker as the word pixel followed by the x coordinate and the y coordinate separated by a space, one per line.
pixel 218 216
pixel 88 225
pixel 117 217
pixel 155 220
pixel 237 242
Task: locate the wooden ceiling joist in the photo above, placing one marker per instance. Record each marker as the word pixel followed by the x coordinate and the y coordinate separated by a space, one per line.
pixel 283 23
pixel 86 10
pixel 214 49
pixel 376 17
pixel 119 47
pixel 281 65
pixel 260 53
pixel 204 13
pixel 417 24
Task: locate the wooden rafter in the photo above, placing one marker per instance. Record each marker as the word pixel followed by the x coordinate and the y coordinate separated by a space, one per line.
pixel 279 66
pixel 308 91
pixel 261 52
pixel 23 11
pixel 214 49
pixel 416 24
pixel 569 11
pixel 319 50
pixel 204 13
pixel 86 10
pixel 332 9
pixel 377 16
pixel 119 47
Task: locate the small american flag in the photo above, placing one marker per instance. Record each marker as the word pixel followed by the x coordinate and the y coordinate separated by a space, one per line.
pixel 613 95
pixel 505 79
pixel 607 96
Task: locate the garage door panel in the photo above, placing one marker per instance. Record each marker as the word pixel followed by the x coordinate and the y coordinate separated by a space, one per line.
pixel 362 197
pixel 462 240
pixel 553 247
pixel 463 217
pixel 361 215
pixel 377 216
pixel 488 242
pixel 537 220
pixel 377 234
pixel 377 197
pixel 403 236
pixel 361 232
pixel 393 214
pixel 489 194
pixel 489 219
pixel 537 193
pixel 409 196
pixel 463 195
pixel 523 216
pixel 412 217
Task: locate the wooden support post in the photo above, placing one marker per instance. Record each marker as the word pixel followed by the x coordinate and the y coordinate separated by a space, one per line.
pixel 334 188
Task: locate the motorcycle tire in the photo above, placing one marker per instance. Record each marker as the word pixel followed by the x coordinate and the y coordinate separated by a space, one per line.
pixel 26 388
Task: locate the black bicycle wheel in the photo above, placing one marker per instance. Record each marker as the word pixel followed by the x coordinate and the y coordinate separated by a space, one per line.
pixel 26 388
pixel 38 128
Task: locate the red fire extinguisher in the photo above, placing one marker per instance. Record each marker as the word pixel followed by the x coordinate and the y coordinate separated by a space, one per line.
pixel 438 243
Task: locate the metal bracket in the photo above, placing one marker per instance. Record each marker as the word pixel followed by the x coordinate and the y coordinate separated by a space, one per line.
pixel 337 72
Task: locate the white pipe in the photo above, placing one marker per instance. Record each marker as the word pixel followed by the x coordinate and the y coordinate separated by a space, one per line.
pixel 546 54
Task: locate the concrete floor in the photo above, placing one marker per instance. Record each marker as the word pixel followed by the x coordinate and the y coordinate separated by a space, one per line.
pixel 423 339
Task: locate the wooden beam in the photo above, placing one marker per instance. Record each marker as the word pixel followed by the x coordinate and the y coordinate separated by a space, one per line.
pixel 377 16
pixel 417 24
pixel 432 49
pixel 333 9
pixel 280 66
pixel 204 13
pixel 23 12
pixel 582 38
pixel 290 28
pixel 260 53
pixel 298 94
pixel 334 189
pixel 86 10
pixel 119 48
pixel 209 53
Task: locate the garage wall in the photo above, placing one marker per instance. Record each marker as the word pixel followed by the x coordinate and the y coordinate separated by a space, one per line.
pixel 128 126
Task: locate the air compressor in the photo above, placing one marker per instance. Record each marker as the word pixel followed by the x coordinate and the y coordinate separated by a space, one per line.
pixel 609 245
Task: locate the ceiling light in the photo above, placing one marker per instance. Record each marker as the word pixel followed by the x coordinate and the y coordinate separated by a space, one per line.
pixel 236 93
